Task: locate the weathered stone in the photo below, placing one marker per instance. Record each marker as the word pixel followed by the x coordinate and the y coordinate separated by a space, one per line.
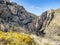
pixel 14 15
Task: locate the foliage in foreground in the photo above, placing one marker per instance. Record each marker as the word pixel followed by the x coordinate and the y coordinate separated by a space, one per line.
pixel 10 38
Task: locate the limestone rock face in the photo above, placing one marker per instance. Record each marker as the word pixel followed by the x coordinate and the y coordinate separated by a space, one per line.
pixel 54 27
pixel 48 23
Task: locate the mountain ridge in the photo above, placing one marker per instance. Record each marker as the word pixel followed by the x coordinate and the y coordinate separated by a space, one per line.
pixel 15 17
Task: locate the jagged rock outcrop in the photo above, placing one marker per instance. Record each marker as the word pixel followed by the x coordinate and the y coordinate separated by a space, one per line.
pixel 53 29
pixel 44 21
pixel 14 15
pixel 48 23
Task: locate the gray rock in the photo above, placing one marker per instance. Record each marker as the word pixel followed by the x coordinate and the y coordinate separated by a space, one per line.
pixel 15 15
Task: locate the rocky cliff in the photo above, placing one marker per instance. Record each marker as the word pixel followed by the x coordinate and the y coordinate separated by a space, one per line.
pixel 49 22
pixel 15 17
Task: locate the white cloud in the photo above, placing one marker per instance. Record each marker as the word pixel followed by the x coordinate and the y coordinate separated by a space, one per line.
pixel 34 9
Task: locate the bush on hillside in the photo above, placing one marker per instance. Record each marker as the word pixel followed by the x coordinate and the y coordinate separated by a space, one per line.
pixel 13 38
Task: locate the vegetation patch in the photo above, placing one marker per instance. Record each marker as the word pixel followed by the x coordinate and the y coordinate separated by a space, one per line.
pixel 14 38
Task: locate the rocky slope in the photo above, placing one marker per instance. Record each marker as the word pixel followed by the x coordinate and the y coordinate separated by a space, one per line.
pixel 48 25
pixel 15 17
pixel 50 22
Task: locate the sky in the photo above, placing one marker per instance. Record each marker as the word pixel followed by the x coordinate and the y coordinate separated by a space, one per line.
pixel 38 6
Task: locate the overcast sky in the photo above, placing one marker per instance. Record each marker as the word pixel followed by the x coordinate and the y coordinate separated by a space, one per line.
pixel 38 6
